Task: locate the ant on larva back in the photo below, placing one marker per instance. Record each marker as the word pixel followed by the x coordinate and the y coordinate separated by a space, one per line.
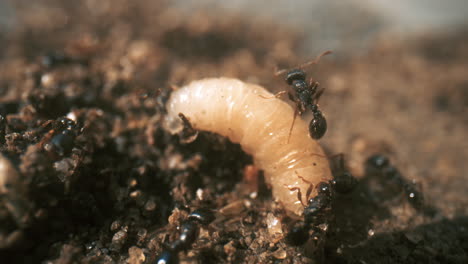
pixel 305 96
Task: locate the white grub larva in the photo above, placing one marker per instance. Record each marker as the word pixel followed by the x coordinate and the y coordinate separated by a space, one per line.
pixel 246 115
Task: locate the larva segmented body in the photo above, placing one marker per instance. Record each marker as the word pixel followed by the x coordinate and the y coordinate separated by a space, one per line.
pixel 261 126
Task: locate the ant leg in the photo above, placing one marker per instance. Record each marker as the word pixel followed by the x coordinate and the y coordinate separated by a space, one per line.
pixel 188 134
pixel 276 95
pixel 302 178
pixel 299 194
pixel 46 123
pixel 309 191
pixel 312 83
pixel 318 94
pixel 277 72
pixel 174 87
pixel 311 185
pixel 292 125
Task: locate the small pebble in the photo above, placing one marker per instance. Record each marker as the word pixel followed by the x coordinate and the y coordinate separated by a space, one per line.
pixel 280 254
pixel 136 255
pixel 274 227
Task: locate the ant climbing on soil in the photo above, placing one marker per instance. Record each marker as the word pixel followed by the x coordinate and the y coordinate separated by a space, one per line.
pixel 305 96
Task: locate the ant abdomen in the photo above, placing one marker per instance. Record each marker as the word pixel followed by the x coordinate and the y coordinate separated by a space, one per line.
pixel 318 125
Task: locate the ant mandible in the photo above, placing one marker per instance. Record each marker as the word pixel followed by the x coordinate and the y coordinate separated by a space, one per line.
pixel 305 96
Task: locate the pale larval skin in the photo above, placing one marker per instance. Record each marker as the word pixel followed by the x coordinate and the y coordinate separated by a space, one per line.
pixel 250 115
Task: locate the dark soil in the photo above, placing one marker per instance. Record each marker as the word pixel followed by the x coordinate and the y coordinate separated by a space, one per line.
pixel 114 186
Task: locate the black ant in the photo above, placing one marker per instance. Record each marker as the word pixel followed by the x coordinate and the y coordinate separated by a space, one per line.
pixel 317 209
pixel 380 166
pixel 316 212
pixel 188 235
pixel 60 139
pixel 305 96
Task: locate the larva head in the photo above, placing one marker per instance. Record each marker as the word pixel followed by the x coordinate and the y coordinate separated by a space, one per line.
pixel 294 75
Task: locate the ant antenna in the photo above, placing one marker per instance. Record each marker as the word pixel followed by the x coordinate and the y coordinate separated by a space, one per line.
pixel 302 66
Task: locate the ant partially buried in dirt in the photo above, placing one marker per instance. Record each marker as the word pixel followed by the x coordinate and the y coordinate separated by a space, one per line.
pixel 188 235
pixel 60 139
pixel 305 96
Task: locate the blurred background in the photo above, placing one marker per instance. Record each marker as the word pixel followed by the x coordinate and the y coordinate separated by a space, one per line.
pixel 350 25
pixel 345 26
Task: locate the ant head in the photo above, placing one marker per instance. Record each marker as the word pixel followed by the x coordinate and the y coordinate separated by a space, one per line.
pixel 66 123
pixel 295 74
pixel 202 215
pixel 377 161
pixel 324 188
